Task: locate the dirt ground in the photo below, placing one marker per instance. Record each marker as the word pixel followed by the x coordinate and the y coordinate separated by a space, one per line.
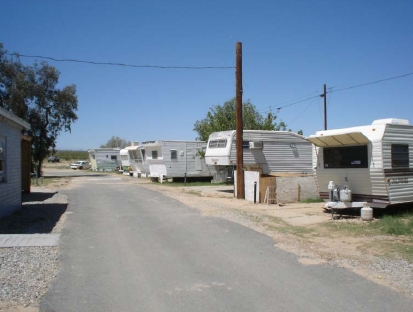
pixel 303 229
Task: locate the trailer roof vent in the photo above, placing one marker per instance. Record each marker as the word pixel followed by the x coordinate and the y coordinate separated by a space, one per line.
pixel 394 121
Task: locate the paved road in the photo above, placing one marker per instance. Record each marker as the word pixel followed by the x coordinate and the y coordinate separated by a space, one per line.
pixel 127 248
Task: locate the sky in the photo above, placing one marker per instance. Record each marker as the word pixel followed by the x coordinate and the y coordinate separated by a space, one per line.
pixel 290 49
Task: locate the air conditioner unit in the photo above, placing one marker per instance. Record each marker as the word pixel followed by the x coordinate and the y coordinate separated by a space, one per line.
pixel 255 145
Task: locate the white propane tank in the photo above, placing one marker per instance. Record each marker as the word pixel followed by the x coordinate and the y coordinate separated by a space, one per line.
pixel 345 194
pixel 366 212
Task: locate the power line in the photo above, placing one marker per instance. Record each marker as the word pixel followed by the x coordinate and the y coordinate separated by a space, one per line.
pixel 342 89
pixel 118 64
pixel 291 104
pixel 299 115
pixel 370 83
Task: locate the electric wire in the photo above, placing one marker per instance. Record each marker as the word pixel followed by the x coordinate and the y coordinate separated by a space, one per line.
pixel 118 64
pixel 299 115
pixel 370 83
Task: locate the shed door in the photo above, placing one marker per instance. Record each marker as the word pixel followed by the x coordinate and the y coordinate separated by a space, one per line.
pixel 199 158
pixel 198 163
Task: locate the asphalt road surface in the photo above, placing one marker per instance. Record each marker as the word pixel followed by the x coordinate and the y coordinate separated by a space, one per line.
pixel 127 248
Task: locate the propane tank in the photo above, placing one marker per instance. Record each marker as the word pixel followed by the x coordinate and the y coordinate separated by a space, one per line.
pixel 345 194
pixel 366 212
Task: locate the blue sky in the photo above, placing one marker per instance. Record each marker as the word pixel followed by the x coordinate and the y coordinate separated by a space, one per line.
pixel 290 49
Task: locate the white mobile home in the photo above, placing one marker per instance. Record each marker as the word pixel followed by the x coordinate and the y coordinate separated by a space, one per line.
pixel 369 164
pixel 177 159
pixel 269 151
pixel 105 159
pixel 10 162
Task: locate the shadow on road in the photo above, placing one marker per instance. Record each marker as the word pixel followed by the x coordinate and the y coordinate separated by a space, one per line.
pixel 37 196
pixel 226 191
pixel 35 218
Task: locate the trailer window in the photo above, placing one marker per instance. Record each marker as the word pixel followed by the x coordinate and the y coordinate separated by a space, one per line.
pixel 217 144
pixel 246 144
pixel 400 156
pixel 113 157
pixel 133 154
pixel 2 159
pixel 174 154
pixel 345 157
pixel 124 157
pixel 154 154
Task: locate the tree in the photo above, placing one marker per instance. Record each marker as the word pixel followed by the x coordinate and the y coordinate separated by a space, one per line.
pixel 223 118
pixel 31 93
pixel 116 142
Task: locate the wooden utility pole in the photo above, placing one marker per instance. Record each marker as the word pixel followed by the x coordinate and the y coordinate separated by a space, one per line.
pixel 324 95
pixel 239 122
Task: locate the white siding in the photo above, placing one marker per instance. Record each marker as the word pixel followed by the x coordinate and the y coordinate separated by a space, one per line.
pixel 11 189
pixel 282 152
pixel 185 162
pixel 396 134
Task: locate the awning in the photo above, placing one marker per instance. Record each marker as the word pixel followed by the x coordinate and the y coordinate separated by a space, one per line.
pixel 132 148
pixel 351 138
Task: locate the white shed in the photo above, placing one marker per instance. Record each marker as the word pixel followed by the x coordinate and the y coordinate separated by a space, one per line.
pixel 10 162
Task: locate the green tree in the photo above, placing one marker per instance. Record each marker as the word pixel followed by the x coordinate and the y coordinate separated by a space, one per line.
pixel 223 118
pixel 116 142
pixel 31 93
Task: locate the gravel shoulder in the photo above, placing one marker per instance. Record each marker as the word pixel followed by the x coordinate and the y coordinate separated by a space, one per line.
pixel 27 272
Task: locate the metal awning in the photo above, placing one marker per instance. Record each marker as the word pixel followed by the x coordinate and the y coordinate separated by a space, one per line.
pixel 351 138
pixel 132 148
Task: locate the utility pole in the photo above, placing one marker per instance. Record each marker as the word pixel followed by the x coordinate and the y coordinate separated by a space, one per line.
pixel 239 122
pixel 324 95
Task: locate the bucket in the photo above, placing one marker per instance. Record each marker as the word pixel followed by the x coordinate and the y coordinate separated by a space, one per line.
pixel 366 213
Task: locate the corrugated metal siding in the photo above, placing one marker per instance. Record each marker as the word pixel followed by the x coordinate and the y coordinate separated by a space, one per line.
pixel 282 152
pixel 397 134
pixel 378 181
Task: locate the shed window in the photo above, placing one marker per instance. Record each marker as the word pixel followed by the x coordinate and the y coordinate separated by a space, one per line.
pixel 154 154
pixel 217 143
pixel 400 156
pixel 2 159
pixel 345 157
pixel 174 154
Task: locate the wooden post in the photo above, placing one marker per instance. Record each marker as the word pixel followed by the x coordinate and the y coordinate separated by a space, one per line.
pixel 298 193
pixel 325 107
pixel 239 122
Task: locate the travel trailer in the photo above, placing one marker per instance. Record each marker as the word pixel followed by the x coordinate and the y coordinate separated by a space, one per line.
pixel 139 166
pixel 105 159
pixel 365 166
pixel 268 151
pixel 176 159
pixel 125 162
